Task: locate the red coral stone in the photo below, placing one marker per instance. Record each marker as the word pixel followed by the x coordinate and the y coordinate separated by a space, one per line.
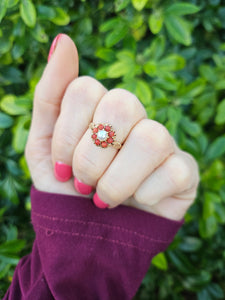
pixel 104 144
pixel 97 142
pixel 111 133
pixel 107 128
pixel 110 140
pixel 94 136
pixel 95 130
pixel 100 126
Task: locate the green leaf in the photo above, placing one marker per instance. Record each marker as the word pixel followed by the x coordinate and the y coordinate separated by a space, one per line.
pixel 208 206
pixel 157 48
pixel 219 213
pixel 216 149
pixel 208 73
pixel 178 29
pixel 173 62
pixel 190 244
pixel 105 54
pixel 197 281
pixel 3 8
pixel 8 190
pixel 12 3
pixel 181 8
pixel 20 131
pixel 121 4
pixel 9 259
pixel 14 106
pixel 39 34
pixel 61 18
pixel 110 24
pixel 118 69
pixel 193 89
pixel 168 83
pixel 190 127
pixel 150 68
pixel 215 290
pixel 5 121
pixel 28 13
pixel 4 269
pixel 181 262
pixel 160 261
pixel 155 21
pixel 45 12
pixel 208 227
pixel 143 92
pixel 11 75
pixel 116 35
pixel 18 50
pixel 13 246
pixel 139 4
pixel 5 45
pixel 220 116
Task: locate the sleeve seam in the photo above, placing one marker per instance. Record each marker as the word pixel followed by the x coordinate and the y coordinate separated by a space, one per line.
pixel 57 219
pixel 50 231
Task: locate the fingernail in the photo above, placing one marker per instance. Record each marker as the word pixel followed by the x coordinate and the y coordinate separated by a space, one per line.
pixel 62 171
pixel 82 188
pixel 98 202
pixel 53 46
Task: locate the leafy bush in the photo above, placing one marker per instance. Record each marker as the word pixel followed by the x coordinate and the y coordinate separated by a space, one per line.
pixel 171 55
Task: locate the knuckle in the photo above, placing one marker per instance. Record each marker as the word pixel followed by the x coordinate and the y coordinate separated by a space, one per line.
pixel 111 192
pixel 139 197
pixel 85 85
pixel 63 144
pixel 81 84
pixel 124 103
pixel 85 168
pixel 153 135
pixel 181 172
pixel 194 168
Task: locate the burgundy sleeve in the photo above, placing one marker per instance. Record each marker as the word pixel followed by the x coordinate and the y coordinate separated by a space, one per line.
pixel 82 252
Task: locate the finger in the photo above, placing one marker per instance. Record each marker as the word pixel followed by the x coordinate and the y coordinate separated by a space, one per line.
pixel 59 72
pixel 146 147
pixel 122 110
pixel 177 177
pixel 77 109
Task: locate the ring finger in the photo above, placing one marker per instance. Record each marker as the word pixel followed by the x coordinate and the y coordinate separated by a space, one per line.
pixel 122 110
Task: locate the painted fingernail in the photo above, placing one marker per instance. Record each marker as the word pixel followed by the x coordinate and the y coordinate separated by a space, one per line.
pixel 62 171
pixel 82 188
pixel 98 202
pixel 53 46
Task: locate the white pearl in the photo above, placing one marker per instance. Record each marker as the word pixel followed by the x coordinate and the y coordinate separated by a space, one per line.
pixel 102 134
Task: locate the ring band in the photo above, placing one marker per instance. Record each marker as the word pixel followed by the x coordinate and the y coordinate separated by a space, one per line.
pixel 103 135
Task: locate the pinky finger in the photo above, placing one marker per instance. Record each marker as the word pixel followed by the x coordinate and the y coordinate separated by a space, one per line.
pixel 171 188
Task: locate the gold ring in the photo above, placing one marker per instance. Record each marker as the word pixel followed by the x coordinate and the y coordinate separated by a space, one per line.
pixel 103 135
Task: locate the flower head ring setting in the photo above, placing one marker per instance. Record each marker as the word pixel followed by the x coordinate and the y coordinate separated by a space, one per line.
pixel 103 135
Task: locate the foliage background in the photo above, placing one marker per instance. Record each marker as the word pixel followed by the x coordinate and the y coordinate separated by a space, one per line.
pixel 171 55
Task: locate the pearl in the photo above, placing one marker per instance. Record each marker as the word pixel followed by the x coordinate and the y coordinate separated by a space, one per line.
pixel 102 134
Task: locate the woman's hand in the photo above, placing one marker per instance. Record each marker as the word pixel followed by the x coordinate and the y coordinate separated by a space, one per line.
pixel 149 172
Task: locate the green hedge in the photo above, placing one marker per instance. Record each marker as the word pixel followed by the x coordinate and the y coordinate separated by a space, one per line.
pixel 171 55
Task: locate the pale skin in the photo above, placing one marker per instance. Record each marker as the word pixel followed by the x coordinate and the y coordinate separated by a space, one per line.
pixel 149 172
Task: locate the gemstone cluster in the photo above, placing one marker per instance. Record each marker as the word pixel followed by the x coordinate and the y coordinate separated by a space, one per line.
pixel 102 135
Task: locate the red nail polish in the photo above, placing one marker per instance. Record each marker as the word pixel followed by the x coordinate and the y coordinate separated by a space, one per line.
pixel 62 171
pixel 53 46
pixel 82 188
pixel 99 203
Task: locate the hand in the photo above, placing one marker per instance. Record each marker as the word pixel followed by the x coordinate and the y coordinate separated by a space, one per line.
pixel 149 172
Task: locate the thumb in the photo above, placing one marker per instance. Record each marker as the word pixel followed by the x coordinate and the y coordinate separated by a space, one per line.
pixel 61 69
